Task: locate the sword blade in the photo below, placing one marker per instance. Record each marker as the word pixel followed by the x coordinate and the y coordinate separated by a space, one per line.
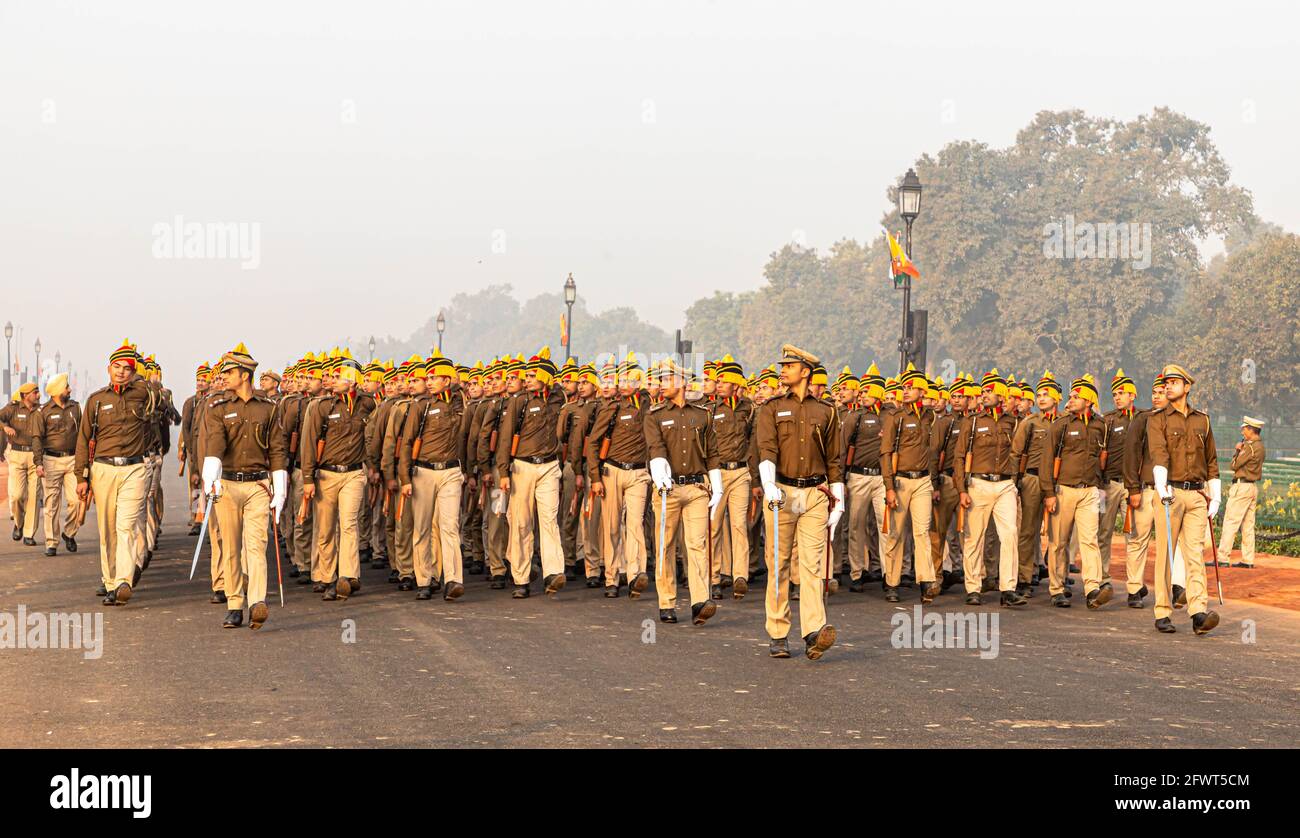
pixel 203 530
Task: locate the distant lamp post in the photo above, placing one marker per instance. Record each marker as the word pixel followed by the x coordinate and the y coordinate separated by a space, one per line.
pixel 442 327
pixel 570 297
pixel 58 359
pixel 38 361
pixel 909 207
pixel 372 347
pixel 9 364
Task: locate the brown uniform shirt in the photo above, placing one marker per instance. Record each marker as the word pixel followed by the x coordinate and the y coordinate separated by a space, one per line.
pixel 802 437
pixel 1116 425
pixel 906 430
pixel 243 434
pixel 943 442
pixel 1183 444
pixel 441 423
pixel 18 416
pixel 1033 440
pixel 54 430
pixel 992 448
pixel 1248 463
pixel 584 417
pixel 390 437
pixel 1137 458
pixel 681 435
pixel 622 419
pixel 1079 443
pixel 863 435
pixel 731 421
pixel 534 417
pixel 118 421
pixel 340 420
pixel 489 422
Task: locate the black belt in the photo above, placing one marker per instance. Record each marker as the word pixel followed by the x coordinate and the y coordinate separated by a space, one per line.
pixel 74 453
pixel 1188 485
pixel 947 472
pixel 1242 480
pixel 733 466
pixel 912 475
pixel 867 470
pixel 433 465
pixel 1148 485
pixel 153 453
pixel 689 479
pixel 1078 485
pixel 15 446
pixel 339 469
pixel 243 476
pixel 992 478
pixel 801 482
pixel 1032 471
pixel 537 461
pixel 120 461
pixel 625 466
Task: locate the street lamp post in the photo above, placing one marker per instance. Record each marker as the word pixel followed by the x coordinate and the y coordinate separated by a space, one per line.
pixel 570 296
pixel 372 348
pixel 38 362
pixel 442 327
pixel 9 364
pixel 909 207
pixel 58 359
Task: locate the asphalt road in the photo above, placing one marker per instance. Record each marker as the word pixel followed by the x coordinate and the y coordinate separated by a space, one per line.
pixel 574 671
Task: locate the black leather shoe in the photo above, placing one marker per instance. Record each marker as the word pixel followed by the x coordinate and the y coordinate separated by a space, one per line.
pixel 234 619
pixel 1143 592
pixel 779 647
pixel 101 590
pixel 124 592
pixel 148 557
pixel 1135 601
pixel 1243 564
pixel 715 591
pixel 331 593
pixel 477 568
pixel 1180 596
pixel 365 554
pixel 30 542
pixel 135 577
pixel 304 577
pixel 724 580
pixel 1074 568
pixel 69 544
pixel 454 591
pixel 702 611
pixel 194 529
pixel 891 594
pixel 294 573
pixel 873 576
pixel 1204 622
pixel 1104 594
pixel 50 551
pixel 667 615
pixel 973 598
pixel 379 563
pixel 257 615
pixel 907 580
pixel 1061 601
pixel 947 582
pixel 497 583
pixel 928 590
pixel 1093 600
pixel 1165 626
pixel 318 587
pixel 425 592
pixel 343 587
pixel 570 573
pixel 739 587
pixel 818 642
pixel 1069 593
pixel 1024 589
pixel 794 593
pixel 988 586
pixel 611 592
pixel 436 584
pixel 407 584
pixel 217 597
pixel 639 583
pixel 856 585
pixel 593 582
pixel 110 598
pixel 1011 599
pixel 394 576
pixel 521 592
pixel 553 583
pixel 18 534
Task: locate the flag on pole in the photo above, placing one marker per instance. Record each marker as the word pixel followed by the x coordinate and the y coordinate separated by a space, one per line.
pixel 564 332
pixel 899 264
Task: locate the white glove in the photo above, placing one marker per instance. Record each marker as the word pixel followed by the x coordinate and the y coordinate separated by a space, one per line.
pixel 211 476
pixel 715 487
pixel 1161 475
pixel 767 476
pixel 1101 502
pixel 661 474
pixel 1216 495
pixel 837 492
pixel 280 490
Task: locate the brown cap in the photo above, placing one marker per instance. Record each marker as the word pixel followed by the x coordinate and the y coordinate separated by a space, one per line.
pixel 1175 371
pixel 791 354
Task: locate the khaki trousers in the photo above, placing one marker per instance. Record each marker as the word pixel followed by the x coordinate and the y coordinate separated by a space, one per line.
pixel 534 491
pixel 216 559
pixel 1031 526
pixel 998 500
pixel 569 516
pixel 687 506
pixel 471 528
pixel 729 528
pixel 497 541
pixel 1238 514
pixel 152 518
pixel 119 503
pixel 60 483
pixel 435 503
pixel 22 491
pixel 244 513
pixel 1116 498
pixel 1135 546
pixel 1188 522
pixel 944 513
pixel 867 492
pixel 300 533
pixel 808 527
pixel 625 500
pixel 1076 513
pixel 338 518
pixel 592 538
pixel 401 556
pixel 915 496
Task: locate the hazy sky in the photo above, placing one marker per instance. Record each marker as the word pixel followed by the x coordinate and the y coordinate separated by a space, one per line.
pixel 393 154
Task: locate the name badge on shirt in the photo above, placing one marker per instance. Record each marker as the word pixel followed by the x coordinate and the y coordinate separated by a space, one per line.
pixel 910 425
pixel 625 416
pixel 231 416
pixel 982 430
pixel 533 409
pixel 1074 433
pixel 667 422
pixel 435 411
pixel 783 413
pixel 105 407
pixel 1118 428
pixel 718 417
pixel 335 415
pixel 54 416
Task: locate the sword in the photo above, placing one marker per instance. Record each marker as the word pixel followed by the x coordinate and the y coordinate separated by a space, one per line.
pixel 203 530
pixel 1169 540
pixel 775 506
pixel 279 576
pixel 1214 551
pixel 663 521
